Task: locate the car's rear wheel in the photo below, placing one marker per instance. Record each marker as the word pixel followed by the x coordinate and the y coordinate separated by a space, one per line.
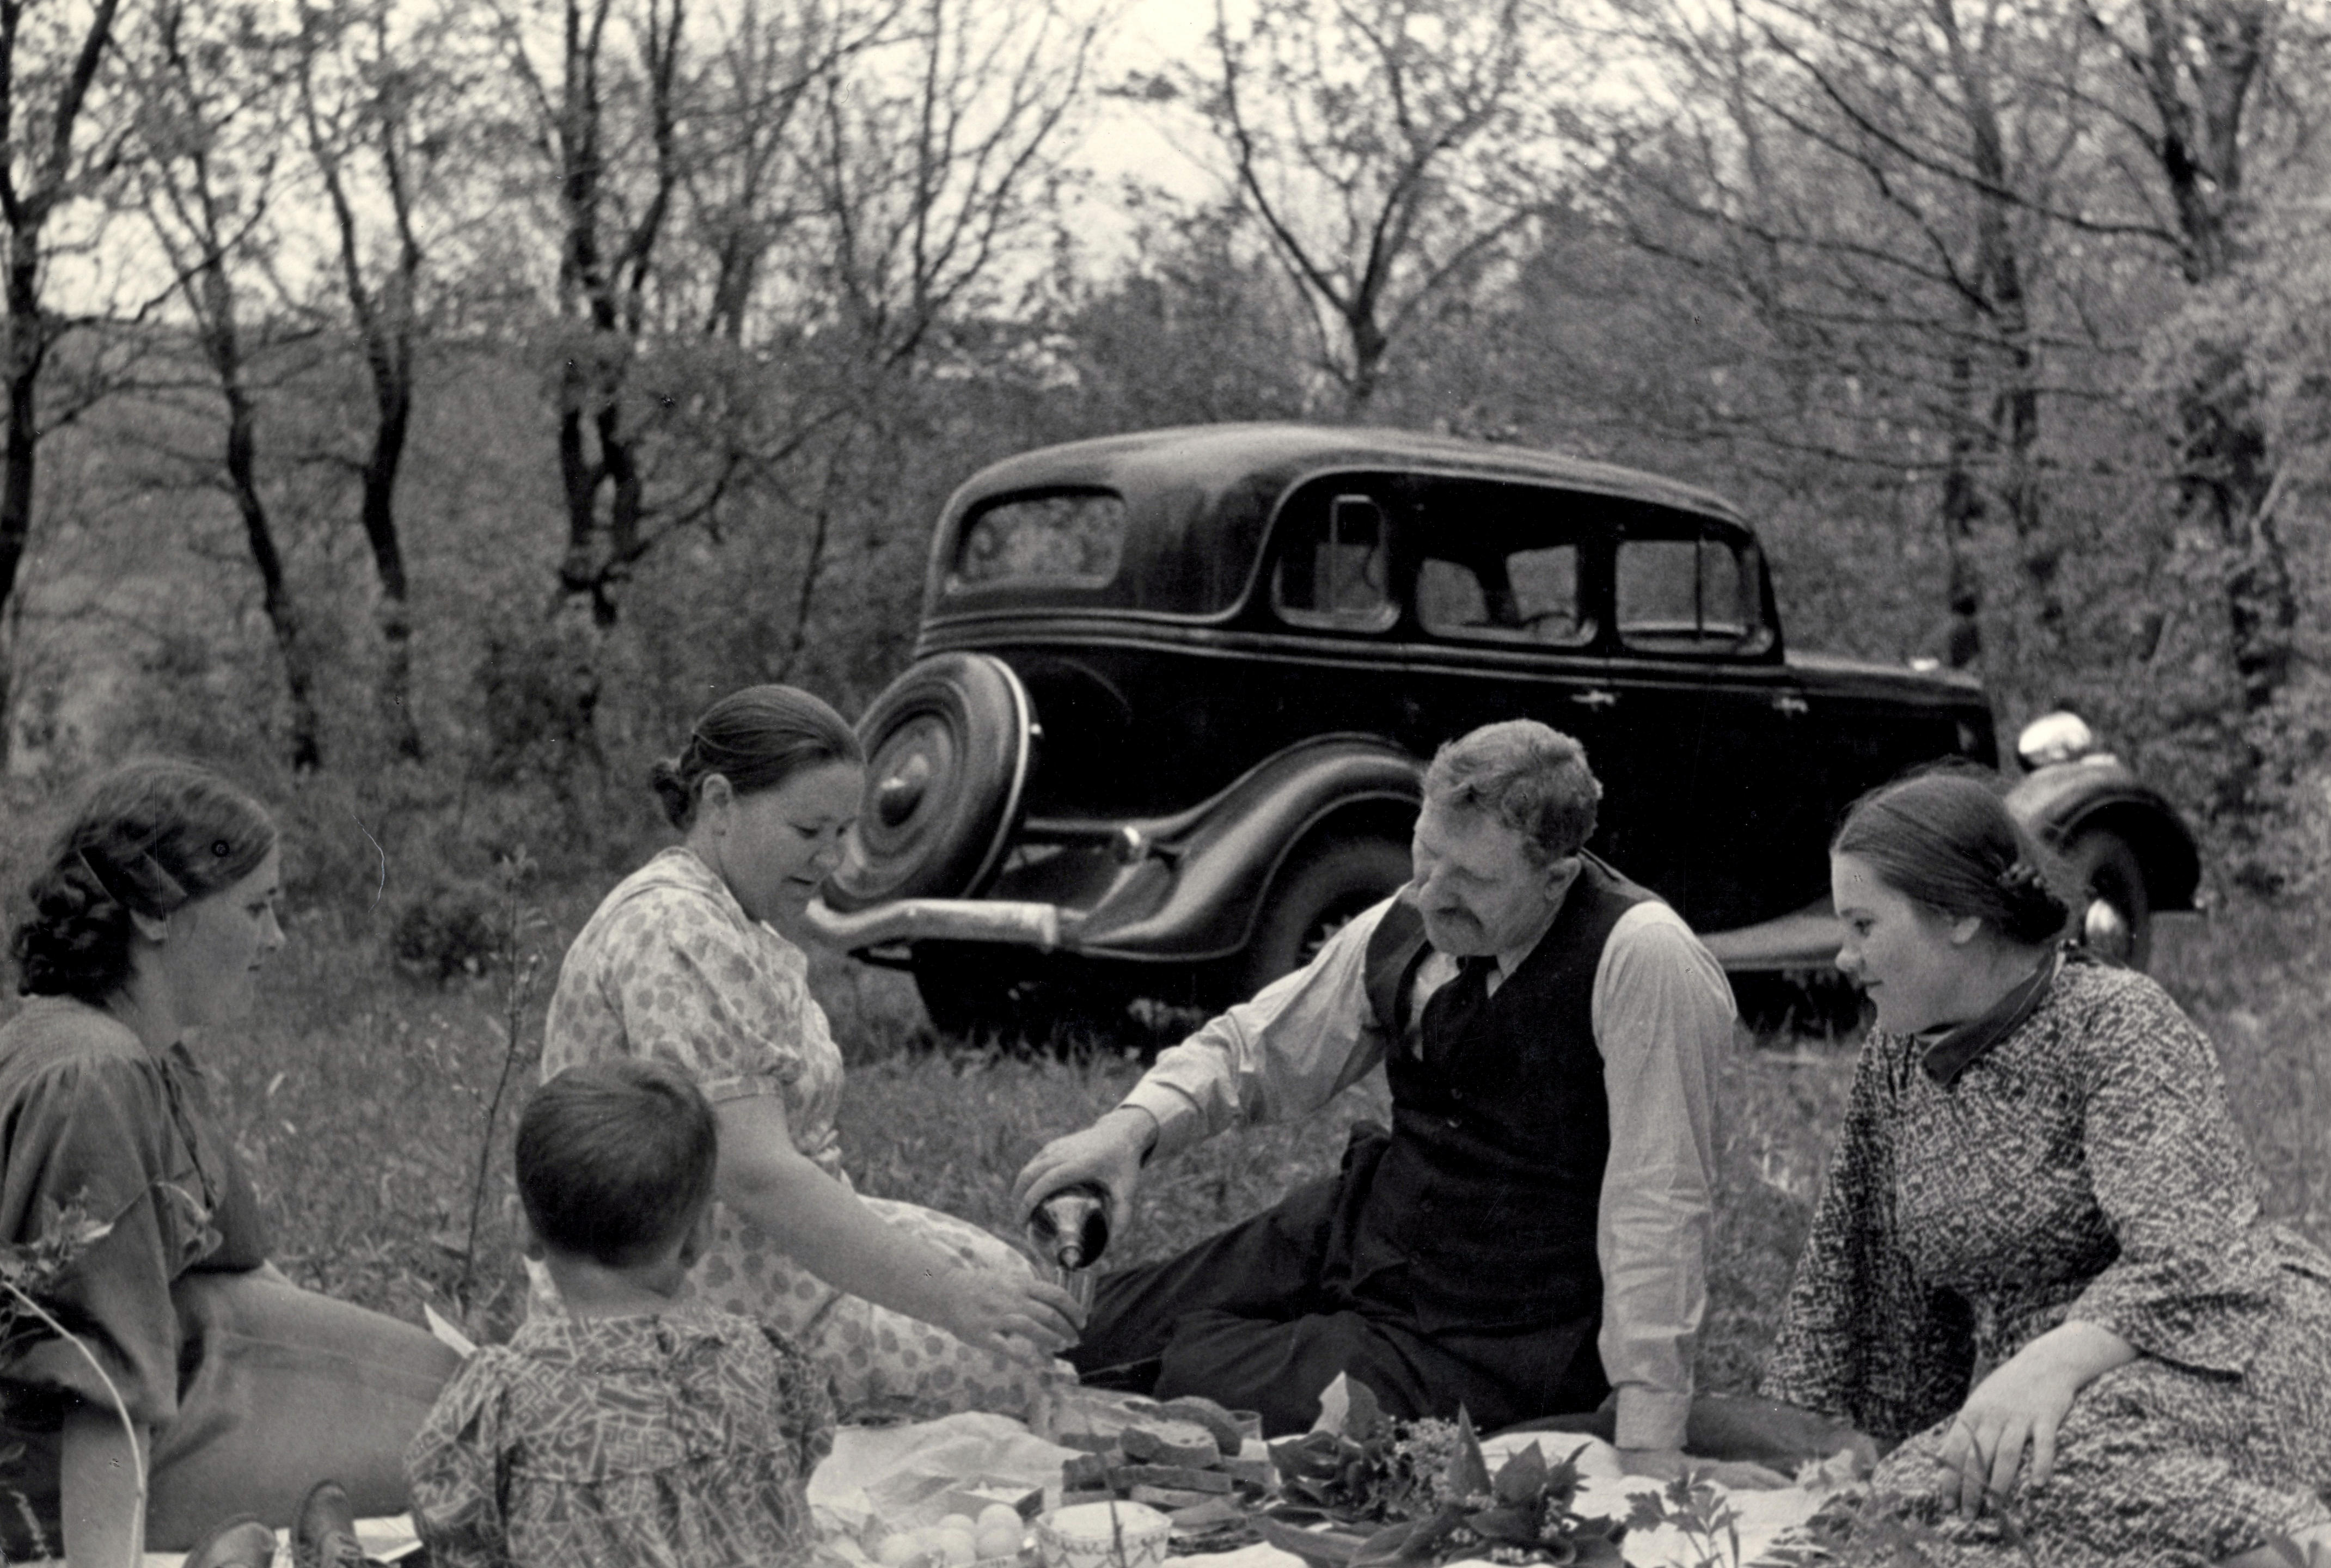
pixel 2115 919
pixel 949 747
pixel 1313 897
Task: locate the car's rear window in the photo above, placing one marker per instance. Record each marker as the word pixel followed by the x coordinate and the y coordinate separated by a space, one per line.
pixel 1693 596
pixel 1064 538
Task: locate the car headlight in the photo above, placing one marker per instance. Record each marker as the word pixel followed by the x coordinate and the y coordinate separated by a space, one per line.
pixel 2054 738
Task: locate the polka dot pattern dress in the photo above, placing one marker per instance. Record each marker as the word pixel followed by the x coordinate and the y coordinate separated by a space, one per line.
pixel 671 968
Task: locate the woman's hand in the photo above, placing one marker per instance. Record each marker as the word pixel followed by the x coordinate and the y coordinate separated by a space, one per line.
pixel 2021 1406
pixel 1020 1317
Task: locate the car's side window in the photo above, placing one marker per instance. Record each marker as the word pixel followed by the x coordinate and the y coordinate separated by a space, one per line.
pixel 1503 595
pixel 1696 594
pixel 1333 566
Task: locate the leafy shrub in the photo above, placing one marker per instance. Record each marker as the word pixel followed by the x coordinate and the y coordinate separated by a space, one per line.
pixel 449 928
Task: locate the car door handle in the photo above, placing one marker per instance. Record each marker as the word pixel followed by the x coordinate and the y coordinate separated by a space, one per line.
pixel 1596 698
pixel 1790 704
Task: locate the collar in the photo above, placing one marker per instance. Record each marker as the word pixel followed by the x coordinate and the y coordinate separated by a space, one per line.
pixel 647 1339
pixel 1953 1050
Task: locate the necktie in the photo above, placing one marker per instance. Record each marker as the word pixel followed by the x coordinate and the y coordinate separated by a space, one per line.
pixel 1450 1011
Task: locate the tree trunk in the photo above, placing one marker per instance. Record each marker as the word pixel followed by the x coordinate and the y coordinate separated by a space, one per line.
pixel 306 751
pixel 395 614
pixel 26 345
pixel 1961 511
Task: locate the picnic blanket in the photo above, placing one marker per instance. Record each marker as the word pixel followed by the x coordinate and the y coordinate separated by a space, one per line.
pixel 901 1475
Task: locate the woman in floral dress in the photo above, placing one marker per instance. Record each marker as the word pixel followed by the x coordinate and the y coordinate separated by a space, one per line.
pixel 692 959
pixel 2039 1263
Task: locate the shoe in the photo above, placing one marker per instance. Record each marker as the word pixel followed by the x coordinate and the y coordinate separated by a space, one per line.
pixel 324 1530
pixel 240 1542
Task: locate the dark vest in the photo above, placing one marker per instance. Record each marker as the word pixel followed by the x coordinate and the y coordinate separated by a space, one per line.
pixel 1488 1192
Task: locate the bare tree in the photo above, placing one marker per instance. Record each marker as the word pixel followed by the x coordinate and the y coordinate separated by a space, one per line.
pixel 625 126
pixel 1379 145
pixel 48 68
pixel 1892 185
pixel 366 102
pixel 2199 67
pixel 209 110
pixel 933 158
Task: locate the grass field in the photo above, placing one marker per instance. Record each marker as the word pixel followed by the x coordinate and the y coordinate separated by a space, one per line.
pixel 361 1096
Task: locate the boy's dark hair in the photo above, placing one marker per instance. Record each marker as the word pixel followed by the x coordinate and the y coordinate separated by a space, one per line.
pixel 615 1160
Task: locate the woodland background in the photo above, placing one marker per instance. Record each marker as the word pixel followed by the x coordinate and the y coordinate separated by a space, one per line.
pixel 428 406
pixel 423 409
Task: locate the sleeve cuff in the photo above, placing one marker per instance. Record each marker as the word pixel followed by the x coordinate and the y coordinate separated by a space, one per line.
pixel 1649 1418
pixel 1167 1106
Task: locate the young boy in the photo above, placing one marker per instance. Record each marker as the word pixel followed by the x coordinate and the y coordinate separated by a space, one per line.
pixel 637 1429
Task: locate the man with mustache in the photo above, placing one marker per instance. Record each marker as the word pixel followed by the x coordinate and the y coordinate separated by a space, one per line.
pixel 1530 1236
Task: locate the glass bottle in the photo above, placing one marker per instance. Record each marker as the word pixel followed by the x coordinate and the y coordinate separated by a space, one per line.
pixel 1068 1231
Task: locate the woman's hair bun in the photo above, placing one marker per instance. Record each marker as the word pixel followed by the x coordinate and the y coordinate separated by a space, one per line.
pixel 756 740
pixel 2031 910
pixel 671 790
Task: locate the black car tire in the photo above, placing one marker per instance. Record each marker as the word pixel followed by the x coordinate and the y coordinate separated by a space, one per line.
pixel 2105 869
pixel 948 746
pixel 1314 895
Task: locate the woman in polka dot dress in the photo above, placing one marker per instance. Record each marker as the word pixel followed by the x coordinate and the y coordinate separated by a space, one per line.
pixel 914 1313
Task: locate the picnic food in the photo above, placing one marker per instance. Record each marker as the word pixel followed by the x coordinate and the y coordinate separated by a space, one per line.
pixel 1108 1535
pixel 1182 1458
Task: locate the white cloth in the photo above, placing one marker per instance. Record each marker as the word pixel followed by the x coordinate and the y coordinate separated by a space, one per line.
pixel 1662 1013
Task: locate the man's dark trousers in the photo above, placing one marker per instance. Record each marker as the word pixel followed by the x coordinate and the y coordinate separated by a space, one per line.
pixel 1263 1317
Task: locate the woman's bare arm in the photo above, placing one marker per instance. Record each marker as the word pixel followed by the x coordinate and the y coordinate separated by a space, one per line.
pixel 823 1226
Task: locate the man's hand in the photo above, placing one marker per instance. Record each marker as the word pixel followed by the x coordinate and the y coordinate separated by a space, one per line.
pixel 1667 1464
pixel 1108 1152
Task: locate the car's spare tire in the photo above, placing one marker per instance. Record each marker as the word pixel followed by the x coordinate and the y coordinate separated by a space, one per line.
pixel 947 753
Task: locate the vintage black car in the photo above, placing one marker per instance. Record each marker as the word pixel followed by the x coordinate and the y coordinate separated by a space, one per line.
pixel 1174 690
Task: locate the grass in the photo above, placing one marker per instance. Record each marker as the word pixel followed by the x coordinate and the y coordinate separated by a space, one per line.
pixel 359 1095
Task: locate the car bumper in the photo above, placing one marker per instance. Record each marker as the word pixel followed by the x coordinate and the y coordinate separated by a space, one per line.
pixel 1012 923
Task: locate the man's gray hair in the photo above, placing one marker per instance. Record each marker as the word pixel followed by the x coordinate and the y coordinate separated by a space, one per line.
pixel 1529 775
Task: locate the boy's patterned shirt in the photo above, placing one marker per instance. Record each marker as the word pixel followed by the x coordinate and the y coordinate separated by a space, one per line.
pixel 684 1439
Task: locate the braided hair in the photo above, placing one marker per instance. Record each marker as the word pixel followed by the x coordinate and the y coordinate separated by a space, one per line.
pixel 147 838
pixel 1945 839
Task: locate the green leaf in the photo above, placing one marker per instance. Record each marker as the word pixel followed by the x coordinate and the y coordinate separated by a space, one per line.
pixel 1522 1478
pixel 1469 1472
pixel 1598 1551
pixel 1388 1545
pixel 1513 1523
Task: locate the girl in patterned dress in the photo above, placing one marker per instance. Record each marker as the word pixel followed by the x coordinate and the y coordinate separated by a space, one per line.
pixel 692 959
pixel 2039 1263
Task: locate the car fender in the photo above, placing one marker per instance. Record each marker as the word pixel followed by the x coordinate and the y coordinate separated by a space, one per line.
pixel 2062 801
pixel 1226 851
